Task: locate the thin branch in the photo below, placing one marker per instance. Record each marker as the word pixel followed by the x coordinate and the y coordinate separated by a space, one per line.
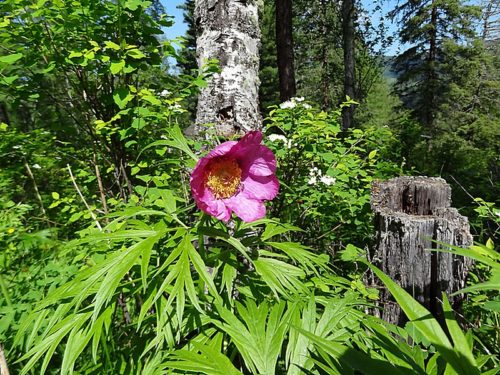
pixel 38 196
pixel 83 198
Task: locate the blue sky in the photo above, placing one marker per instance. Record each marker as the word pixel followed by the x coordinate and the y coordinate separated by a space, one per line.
pixel 179 27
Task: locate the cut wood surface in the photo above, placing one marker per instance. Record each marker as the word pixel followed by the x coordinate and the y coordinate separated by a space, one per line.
pixel 412 215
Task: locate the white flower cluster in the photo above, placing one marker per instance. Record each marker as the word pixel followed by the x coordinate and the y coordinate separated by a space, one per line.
pixel 292 103
pixel 315 174
pixel 281 138
pixel 165 93
pixel 176 108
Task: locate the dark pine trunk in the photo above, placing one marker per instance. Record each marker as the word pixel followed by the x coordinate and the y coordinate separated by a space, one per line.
pixel 430 101
pixel 284 46
pixel 348 33
pixel 4 116
pixel 325 74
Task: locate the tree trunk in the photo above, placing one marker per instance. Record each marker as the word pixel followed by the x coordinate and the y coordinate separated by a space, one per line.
pixel 229 32
pixel 325 70
pixel 430 101
pixel 284 47
pixel 491 20
pixel 348 33
pixel 411 213
pixel 4 116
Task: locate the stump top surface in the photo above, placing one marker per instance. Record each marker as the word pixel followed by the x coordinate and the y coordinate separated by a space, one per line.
pixel 419 196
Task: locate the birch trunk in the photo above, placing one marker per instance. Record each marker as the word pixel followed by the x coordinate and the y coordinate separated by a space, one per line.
pixel 228 30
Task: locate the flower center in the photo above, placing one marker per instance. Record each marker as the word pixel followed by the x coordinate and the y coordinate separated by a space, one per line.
pixel 223 178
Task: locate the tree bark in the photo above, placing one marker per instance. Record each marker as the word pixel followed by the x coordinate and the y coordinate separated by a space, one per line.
pixel 4 369
pixel 284 48
pixel 348 33
pixel 491 20
pixel 4 116
pixel 325 70
pixel 430 101
pixel 229 32
pixel 412 213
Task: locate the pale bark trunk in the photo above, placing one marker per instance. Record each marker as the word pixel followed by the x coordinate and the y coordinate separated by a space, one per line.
pixel 229 32
pixel 412 213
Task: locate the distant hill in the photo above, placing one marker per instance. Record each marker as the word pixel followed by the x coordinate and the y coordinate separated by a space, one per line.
pixel 389 73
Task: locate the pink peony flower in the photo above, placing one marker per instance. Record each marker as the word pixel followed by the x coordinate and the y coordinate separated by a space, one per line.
pixel 236 177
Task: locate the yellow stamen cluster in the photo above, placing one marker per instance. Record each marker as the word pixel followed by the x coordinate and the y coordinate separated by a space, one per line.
pixel 223 178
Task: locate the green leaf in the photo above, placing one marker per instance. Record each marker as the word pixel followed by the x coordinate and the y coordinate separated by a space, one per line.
pixel 352 359
pixel 283 278
pixel 116 270
pixel 274 229
pixel 122 97
pixel 117 67
pixel 425 323
pixel 302 255
pixel 55 195
pixel 176 140
pixel 492 284
pixel 480 253
pixel 460 342
pixel 112 45
pixel 259 334
pixel 9 79
pixel 204 360
pixel 10 59
pixel 133 4
pixel 135 53
pixel 492 306
pixel 75 54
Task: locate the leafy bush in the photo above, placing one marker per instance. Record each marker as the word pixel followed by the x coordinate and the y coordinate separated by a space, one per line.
pixel 326 175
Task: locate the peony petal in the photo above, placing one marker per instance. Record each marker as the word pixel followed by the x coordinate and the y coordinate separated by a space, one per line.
pixel 251 138
pixel 213 207
pixel 197 178
pixel 254 157
pixel 221 149
pixel 260 187
pixel 247 209
pixel 261 162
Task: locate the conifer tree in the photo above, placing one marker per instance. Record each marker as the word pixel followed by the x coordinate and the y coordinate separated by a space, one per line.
pixel 426 25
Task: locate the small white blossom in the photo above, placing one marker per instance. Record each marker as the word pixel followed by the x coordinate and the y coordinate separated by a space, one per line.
pixel 277 137
pixel 165 93
pixel 306 106
pixel 312 181
pixel 287 105
pixel 327 180
pixel 315 172
pixel 36 166
pixel 298 99
pixel 176 108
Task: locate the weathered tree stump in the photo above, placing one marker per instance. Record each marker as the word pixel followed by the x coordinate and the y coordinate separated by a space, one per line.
pixel 412 213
